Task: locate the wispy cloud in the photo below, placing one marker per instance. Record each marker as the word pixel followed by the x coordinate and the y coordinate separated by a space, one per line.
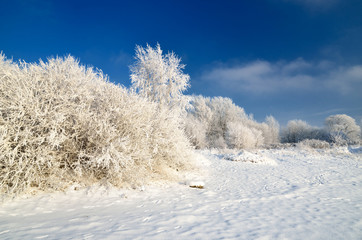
pixel 336 111
pixel 346 79
pixel 299 75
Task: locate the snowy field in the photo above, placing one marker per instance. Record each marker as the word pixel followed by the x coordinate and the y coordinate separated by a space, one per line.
pixel 263 194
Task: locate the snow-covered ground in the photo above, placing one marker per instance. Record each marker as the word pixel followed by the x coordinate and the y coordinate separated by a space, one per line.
pixel 264 194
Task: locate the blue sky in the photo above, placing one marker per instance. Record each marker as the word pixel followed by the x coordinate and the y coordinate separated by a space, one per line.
pixel 293 59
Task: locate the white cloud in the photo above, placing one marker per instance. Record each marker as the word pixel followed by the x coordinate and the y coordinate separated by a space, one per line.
pixel 298 75
pixel 347 79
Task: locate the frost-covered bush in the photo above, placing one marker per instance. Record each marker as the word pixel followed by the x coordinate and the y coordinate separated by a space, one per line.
pixel 223 112
pixel 313 143
pixel 339 129
pixel 299 130
pixel 272 131
pixel 196 131
pixel 343 129
pixel 219 123
pixel 239 136
pixel 160 78
pixel 61 123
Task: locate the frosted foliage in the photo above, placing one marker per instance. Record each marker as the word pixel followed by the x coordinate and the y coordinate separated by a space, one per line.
pixel 295 131
pixel 61 123
pixel 159 78
pixel 343 129
pixel 299 130
pixel 196 131
pixel 241 137
pixel 223 111
pixel 313 143
pixel 226 125
pixel 272 130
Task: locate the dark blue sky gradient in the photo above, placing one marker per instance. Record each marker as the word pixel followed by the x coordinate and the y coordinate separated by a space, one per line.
pixel 207 35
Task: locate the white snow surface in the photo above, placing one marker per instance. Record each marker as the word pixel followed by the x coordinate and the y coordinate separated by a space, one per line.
pixel 294 194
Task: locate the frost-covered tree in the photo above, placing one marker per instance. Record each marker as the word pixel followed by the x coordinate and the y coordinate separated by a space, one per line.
pixel 239 136
pixel 224 111
pixel 271 130
pixel 159 77
pixel 299 130
pixel 294 131
pixel 196 132
pixel 225 124
pixel 343 129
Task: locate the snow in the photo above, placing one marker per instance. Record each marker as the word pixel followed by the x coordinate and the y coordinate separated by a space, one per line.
pixel 245 156
pixel 293 193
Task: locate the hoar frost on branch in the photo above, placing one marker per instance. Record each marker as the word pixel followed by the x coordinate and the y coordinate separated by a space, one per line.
pixel 299 130
pixel 343 129
pixel 219 123
pixel 63 123
pixel 339 129
pixel 159 78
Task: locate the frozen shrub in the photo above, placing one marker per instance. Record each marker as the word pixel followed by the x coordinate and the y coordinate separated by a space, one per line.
pixel 272 130
pixel 223 111
pixel 61 122
pixel 242 137
pixel 313 143
pixel 298 130
pixel 343 129
pixel 294 131
pixel 225 124
pixel 196 131
pixel 217 142
pixel 212 116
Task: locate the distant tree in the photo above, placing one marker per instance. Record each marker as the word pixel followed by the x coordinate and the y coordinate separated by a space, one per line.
pixel 223 124
pixel 343 129
pixel 299 130
pixel 196 131
pixel 159 78
pixel 239 136
pixel 272 130
pixel 224 111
